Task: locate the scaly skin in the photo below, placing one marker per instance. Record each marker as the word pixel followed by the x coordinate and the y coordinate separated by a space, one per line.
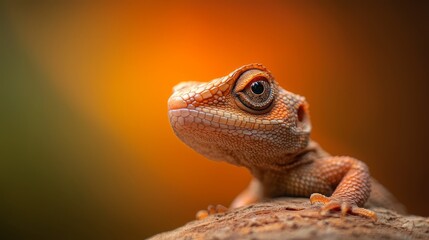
pixel 248 120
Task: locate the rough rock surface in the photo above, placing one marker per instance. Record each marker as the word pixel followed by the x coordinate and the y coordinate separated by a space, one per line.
pixel 295 218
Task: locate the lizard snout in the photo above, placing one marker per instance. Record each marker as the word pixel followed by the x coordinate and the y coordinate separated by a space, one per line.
pixel 176 102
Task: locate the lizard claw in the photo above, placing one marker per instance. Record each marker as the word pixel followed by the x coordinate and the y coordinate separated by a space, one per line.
pixel 211 210
pixel 344 206
pixel 317 197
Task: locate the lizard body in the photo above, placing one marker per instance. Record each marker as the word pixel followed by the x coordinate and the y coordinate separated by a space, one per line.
pixel 247 119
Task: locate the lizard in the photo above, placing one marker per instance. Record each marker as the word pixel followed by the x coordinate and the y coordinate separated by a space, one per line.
pixel 247 119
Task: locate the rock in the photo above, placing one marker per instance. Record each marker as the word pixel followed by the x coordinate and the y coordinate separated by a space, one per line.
pixel 295 218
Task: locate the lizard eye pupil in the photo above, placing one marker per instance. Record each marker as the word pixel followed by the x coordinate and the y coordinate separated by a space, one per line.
pixel 257 87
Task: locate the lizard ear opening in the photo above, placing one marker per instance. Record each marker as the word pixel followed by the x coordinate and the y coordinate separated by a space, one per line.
pixel 301 113
pixel 303 120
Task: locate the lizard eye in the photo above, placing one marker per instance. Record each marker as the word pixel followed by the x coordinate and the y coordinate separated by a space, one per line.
pixel 255 93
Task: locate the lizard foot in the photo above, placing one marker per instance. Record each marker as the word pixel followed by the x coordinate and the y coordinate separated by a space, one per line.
pixel 338 204
pixel 211 210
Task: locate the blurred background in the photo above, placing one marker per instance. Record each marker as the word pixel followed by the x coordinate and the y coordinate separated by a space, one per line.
pixel 86 150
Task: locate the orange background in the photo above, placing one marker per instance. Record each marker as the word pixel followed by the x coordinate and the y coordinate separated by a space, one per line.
pixel 86 146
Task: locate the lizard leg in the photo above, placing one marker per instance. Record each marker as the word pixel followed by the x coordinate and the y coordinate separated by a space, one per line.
pixel 353 185
pixel 252 194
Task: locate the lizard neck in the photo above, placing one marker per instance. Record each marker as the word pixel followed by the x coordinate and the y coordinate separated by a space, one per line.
pixel 290 161
pixel 273 178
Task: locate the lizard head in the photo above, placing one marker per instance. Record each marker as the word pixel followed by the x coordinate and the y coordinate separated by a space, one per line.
pixel 244 118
